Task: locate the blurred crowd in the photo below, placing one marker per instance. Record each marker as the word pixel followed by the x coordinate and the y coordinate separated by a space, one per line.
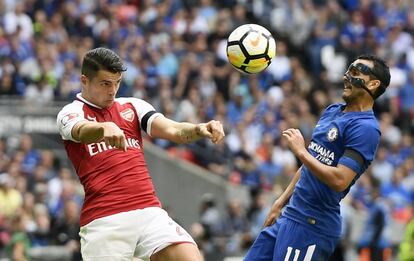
pixel 175 52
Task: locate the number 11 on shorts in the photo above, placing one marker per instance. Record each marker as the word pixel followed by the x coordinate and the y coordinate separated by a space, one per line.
pixel 308 256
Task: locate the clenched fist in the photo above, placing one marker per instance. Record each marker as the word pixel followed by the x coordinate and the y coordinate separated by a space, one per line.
pixel 212 130
pixel 114 136
pixel 295 140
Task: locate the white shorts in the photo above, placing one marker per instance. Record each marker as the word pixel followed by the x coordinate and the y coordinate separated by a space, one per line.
pixel 139 233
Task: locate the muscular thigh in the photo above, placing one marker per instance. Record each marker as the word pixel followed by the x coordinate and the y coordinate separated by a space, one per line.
pixel 297 242
pixel 163 233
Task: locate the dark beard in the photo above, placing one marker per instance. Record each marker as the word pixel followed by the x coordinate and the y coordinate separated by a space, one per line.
pixel 351 93
pixel 352 97
pixel 347 99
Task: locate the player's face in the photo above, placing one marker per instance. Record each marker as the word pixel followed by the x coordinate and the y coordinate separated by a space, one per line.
pixel 352 92
pixel 101 89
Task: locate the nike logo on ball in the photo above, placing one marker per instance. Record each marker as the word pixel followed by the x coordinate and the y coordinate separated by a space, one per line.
pixel 255 42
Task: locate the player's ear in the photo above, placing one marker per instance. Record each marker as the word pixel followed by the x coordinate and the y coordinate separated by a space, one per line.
pixel 373 85
pixel 84 80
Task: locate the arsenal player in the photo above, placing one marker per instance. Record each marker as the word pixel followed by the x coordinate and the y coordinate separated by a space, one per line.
pixel 121 215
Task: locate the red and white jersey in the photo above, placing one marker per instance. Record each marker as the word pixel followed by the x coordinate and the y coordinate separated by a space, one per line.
pixel 114 181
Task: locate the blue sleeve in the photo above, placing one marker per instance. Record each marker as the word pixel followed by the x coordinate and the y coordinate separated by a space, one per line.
pixel 362 137
pixel 352 164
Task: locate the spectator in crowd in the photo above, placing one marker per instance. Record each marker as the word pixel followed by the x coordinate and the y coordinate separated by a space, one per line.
pixel 257 212
pixel 373 244
pixel 407 104
pixel 19 244
pixel 209 215
pixel 406 251
pixel 382 169
pixel 10 198
pixel 65 229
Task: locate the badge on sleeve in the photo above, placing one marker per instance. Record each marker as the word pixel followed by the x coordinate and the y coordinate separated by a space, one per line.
pixel 332 134
pixel 68 117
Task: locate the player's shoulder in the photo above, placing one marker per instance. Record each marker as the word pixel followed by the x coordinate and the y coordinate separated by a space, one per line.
pixel 368 123
pixel 123 100
pixel 132 100
pixel 365 119
pixel 141 106
pixel 333 108
pixel 364 123
pixel 74 106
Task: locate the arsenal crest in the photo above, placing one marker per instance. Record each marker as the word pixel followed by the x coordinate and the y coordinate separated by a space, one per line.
pixel 128 114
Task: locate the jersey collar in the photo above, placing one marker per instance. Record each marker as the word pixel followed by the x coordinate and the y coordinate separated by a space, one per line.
pixel 343 106
pixel 79 97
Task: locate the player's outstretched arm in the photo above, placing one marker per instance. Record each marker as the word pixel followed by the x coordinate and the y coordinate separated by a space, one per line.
pixel 184 132
pixel 281 201
pixel 90 132
pixel 338 178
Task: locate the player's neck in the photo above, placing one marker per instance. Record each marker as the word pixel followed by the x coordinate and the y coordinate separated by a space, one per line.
pixel 87 99
pixel 358 106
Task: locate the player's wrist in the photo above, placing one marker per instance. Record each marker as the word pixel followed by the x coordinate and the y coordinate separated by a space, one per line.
pixel 302 153
pixel 279 203
pixel 198 128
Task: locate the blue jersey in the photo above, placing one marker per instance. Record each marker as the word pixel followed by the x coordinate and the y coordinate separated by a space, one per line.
pixel 313 203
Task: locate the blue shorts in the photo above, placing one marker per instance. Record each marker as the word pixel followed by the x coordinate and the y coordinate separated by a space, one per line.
pixel 289 240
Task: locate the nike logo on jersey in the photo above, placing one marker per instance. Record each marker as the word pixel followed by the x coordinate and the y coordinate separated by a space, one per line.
pixel 90 118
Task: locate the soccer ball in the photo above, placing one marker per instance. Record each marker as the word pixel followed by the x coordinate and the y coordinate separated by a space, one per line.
pixel 250 48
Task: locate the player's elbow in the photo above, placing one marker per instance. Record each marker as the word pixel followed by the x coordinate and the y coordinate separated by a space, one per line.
pixel 338 188
pixel 343 177
pixel 170 133
pixel 339 185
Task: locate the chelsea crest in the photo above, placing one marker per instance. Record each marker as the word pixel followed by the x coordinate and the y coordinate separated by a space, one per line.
pixel 332 134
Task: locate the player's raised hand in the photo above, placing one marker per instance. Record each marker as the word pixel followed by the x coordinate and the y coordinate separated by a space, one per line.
pixel 114 136
pixel 212 130
pixel 295 140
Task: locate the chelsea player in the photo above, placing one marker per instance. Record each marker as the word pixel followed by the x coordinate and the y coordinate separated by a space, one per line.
pixel 344 143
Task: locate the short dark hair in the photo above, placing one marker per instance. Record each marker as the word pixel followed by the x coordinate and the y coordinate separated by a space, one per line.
pixel 101 59
pixel 380 71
